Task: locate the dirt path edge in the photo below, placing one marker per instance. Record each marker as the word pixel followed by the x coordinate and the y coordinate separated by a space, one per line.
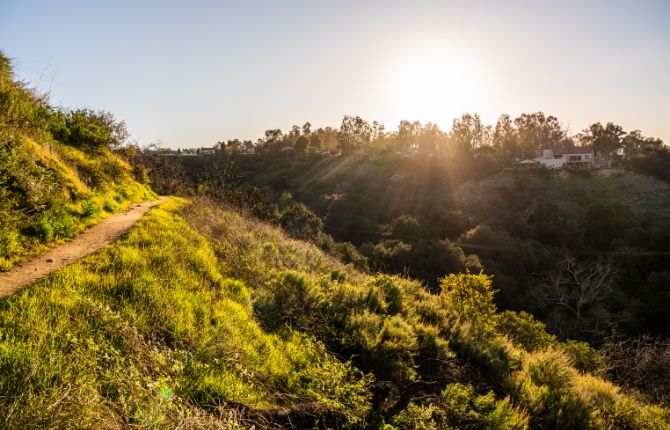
pixel 104 233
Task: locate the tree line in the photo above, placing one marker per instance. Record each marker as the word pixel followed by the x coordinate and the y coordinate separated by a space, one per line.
pixel 509 139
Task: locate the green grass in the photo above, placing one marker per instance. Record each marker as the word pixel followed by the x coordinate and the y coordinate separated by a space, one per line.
pixel 51 192
pixel 148 333
pixel 401 333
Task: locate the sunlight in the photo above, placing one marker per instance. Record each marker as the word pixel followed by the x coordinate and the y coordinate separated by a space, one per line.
pixel 433 88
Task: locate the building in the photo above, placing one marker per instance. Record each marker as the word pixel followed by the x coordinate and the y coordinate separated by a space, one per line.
pixel 207 151
pixel 567 157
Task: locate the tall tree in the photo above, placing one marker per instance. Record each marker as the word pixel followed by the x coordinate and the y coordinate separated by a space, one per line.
pixel 355 132
pixel 408 132
pixel 505 138
pixel 605 140
pixel 469 133
pixel 536 130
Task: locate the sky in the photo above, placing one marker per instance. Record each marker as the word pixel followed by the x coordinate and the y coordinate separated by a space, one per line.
pixel 191 73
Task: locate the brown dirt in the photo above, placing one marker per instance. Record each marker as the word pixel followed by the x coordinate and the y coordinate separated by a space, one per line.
pixel 84 244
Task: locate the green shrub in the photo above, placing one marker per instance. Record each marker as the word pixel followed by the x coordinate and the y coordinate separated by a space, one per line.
pixel 524 330
pixel 582 356
pixel 110 205
pixel 545 384
pixel 42 230
pixel 459 407
pixel 470 298
pixel 89 209
pixel 63 224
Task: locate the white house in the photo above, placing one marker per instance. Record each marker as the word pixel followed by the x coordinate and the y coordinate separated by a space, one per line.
pixel 207 151
pixel 571 157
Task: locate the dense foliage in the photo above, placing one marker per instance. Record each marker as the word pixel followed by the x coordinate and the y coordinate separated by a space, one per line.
pixel 435 357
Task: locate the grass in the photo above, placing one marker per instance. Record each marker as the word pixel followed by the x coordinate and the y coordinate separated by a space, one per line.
pixel 234 324
pixel 52 191
pixel 402 334
pixel 147 332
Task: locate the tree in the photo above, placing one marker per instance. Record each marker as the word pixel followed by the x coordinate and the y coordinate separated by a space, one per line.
pixel 408 132
pixel 429 138
pixel 306 129
pixel 505 138
pixel 605 140
pixel 273 139
pixel 355 132
pixel 468 132
pixel 634 145
pixel 301 223
pixel 577 289
pixel 536 130
pixel 301 144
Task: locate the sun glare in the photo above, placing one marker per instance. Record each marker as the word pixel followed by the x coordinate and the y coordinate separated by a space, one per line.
pixel 433 88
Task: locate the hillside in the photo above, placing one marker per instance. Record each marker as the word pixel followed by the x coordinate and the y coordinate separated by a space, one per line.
pixel 429 216
pixel 528 224
pixel 55 177
pixel 202 318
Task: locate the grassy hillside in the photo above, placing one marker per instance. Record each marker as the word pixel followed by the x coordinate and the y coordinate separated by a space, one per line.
pixel 148 332
pixel 434 356
pixel 234 324
pixel 430 216
pixel 51 187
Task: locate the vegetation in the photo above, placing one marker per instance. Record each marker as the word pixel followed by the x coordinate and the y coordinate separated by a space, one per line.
pixel 204 316
pixel 57 173
pixel 424 349
pixel 427 203
pixel 147 332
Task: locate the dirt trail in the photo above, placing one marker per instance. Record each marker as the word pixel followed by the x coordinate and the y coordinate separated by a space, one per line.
pixel 84 244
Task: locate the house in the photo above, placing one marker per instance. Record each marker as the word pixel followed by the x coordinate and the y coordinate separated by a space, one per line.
pixel 567 157
pixel 207 151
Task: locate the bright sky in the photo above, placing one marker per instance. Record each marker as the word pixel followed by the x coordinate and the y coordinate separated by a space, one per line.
pixel 190 73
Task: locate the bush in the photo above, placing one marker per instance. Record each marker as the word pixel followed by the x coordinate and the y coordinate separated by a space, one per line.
pixel 459 407
pixel 524 330
pixel 470 297
pixel 85 128
pixel 545 383
pixel 582 356
pixel 89 209
pixel 42 230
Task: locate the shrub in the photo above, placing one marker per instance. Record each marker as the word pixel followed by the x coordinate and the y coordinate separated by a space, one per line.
pixel 582 356
pixel 524 330
pixel 459 407
pixel 386 345
pixel 470 297
pixel 89 209
pixel 42 230
pixel 62 223
pixel 89 129
pixel 545 384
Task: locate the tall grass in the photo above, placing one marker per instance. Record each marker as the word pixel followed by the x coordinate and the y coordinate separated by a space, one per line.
pixel 148 333
pixel 409 338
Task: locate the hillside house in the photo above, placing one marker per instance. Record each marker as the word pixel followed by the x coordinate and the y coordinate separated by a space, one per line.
pixel 567 157
pixel 207 151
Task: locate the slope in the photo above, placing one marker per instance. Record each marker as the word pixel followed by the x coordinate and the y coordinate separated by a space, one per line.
pixel 438 360
pixel 57 173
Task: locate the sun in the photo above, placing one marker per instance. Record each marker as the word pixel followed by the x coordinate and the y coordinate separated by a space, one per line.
pixel 433 88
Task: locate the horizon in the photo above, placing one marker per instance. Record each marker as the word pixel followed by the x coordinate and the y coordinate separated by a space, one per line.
pixel 190 76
